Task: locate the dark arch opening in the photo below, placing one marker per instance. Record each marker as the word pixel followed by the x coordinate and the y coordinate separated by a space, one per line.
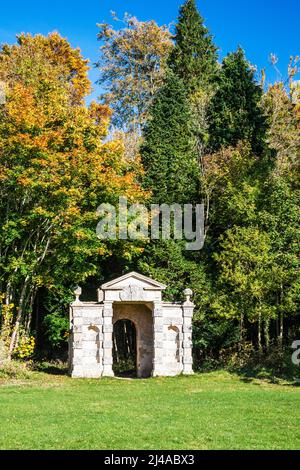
pixel 124 349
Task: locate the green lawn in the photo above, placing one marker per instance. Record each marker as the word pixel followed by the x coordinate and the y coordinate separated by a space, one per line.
pixel 207 411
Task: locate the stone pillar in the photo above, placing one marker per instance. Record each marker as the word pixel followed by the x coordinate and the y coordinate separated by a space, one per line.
pixel 158 340
pixel 187 358
pixel 107 340
pixel 76 352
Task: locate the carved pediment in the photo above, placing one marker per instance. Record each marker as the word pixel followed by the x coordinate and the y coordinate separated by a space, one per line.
pixel 133 280
pixel 132 292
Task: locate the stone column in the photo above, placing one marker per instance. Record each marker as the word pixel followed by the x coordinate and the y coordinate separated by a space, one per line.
pixel 187 358
pixel 107 339
pixel 76 352
pixel 158 340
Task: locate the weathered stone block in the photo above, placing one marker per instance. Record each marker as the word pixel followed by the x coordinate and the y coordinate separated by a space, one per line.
pixel 77 329
pixel 107 361
pixel 92 320
pixel 108 328
pixel 158 345
pixel 158 328
pixel 77 321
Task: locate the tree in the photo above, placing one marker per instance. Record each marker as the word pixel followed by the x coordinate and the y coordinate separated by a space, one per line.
pixel 194 57
pixel 168 262
pixel 279 206
pixel 228 189
pixel 283 135
pixel 244 263
pixel 169 159
pixel 280 216
pixel 56 167
pixel 194 61
pixel 132 66
pixel 168 153
pixel 235 113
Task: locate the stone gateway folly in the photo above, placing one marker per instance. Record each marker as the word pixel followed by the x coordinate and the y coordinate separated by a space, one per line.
pixel 163 331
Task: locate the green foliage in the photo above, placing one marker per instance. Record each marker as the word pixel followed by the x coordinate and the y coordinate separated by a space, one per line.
pixel 194 61
pixel 211 336
pixel 169 262
pixel 194 57
pixel 280 216
pixel 235 113
pixel 244 262
pixel 57 326
pixel 168 153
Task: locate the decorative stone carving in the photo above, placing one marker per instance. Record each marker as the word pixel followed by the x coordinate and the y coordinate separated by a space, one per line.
pixel 77 292
pixel 188 294
pixel 132 293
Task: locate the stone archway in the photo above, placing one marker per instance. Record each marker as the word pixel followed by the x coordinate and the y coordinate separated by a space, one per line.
pixel 163 329
pixel 141 316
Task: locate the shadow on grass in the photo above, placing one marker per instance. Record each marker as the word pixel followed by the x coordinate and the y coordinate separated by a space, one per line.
pixel 51 368
pixel 274 366
pixel 250 374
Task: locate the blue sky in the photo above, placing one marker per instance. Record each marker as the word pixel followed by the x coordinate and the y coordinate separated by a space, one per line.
pixel 259 26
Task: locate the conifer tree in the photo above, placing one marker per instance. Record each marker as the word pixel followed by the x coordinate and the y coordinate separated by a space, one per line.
pixel 194 57
pixel 168 153
pixel 235 112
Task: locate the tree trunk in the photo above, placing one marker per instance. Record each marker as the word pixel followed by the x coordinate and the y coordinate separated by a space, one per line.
pixel 241 332
pixel 259 333
pixel 267 333
pixel 29 320
pixel 15 332
pixel 281 330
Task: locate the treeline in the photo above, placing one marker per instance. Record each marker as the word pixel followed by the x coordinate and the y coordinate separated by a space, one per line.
pixel 174 125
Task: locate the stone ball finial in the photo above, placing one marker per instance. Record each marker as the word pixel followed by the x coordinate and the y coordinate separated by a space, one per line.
pixel 77 292
pixel 188 294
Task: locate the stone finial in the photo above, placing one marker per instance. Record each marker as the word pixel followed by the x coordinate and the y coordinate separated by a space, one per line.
pixel 188 294
pixel 77 292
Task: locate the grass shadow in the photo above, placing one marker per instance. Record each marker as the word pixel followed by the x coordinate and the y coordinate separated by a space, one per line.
pixel 52 368
pixel 250 374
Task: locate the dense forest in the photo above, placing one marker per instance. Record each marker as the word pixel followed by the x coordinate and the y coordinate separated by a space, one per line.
pixel 174 124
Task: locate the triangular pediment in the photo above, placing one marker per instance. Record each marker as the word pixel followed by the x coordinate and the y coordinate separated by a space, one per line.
pixel 133 279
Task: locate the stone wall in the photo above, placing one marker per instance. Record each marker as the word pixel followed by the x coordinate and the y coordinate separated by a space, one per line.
pixel 86 340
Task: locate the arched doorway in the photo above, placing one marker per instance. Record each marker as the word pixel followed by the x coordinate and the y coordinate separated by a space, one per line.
pixel 124 348
pixel 140 315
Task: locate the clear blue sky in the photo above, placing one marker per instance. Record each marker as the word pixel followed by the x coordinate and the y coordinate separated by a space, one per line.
pixel 259 26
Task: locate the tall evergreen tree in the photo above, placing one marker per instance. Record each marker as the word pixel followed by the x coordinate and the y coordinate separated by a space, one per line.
pixel 194 57
pixel 168 153
pixel 235 113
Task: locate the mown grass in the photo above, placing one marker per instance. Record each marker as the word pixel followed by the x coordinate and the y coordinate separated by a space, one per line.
pixel 216 410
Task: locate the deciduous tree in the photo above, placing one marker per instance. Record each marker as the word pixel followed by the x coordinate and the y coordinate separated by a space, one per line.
pixel 55 169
